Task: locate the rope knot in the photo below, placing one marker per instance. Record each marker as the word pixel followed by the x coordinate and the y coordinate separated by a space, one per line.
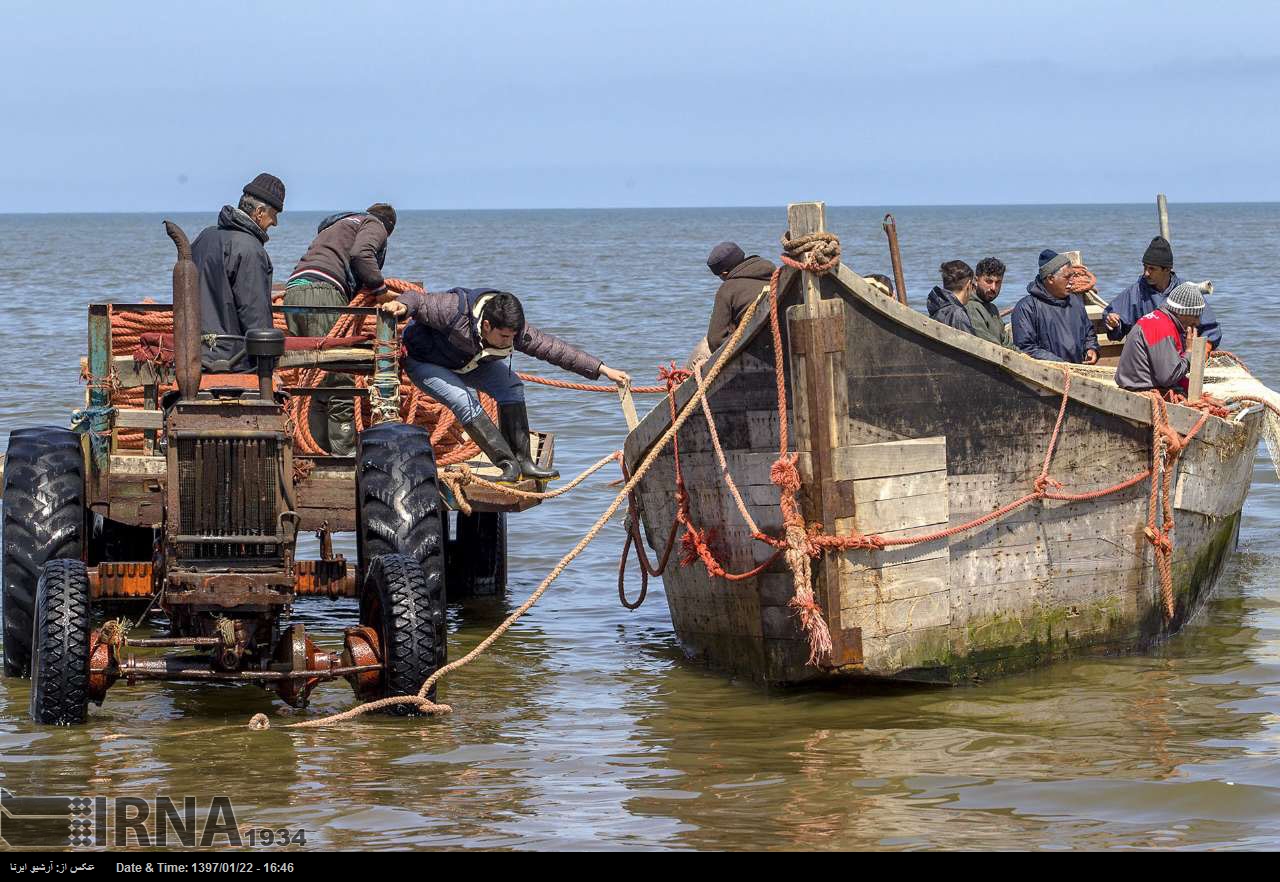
pixel 813 252
pixel 673 376
pixel 113 632
pixel 1044 483
pixel 1159 539
pixel 784 474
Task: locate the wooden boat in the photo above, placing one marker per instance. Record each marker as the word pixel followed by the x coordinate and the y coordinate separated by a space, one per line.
pixel 904 426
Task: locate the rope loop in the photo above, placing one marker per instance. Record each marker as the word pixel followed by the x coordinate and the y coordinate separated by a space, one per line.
pixel 813 252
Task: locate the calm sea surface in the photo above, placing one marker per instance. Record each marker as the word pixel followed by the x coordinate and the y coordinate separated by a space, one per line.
pixel 584 727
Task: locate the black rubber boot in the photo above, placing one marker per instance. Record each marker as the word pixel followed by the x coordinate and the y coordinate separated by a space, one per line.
pixel 486 434
pixel 515 428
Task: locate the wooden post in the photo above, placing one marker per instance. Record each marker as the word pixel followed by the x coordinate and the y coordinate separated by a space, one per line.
pixel 628 407
pixel 1162 209
pixel 1198 348
pixel 804 218
pixel 817 335
pixel 895 257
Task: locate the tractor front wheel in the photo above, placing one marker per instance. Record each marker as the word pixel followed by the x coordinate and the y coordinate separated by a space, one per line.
pixel 404 604
pixel 60 638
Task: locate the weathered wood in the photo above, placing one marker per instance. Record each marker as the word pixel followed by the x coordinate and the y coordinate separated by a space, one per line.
pixel 1198 348
pixel 882 460
pixel 138 419
pixel 133 373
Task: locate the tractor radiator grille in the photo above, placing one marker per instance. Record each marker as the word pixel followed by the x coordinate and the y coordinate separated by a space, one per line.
pixel 227 487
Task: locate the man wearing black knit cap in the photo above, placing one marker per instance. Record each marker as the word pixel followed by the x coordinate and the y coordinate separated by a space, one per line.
pixel 235 272
pixel 744 277
pixel 345 258
pixel 1149 293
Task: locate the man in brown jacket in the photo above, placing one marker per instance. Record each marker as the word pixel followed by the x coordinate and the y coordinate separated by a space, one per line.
pixel 743 279
pixel 345 257
pixel 459 341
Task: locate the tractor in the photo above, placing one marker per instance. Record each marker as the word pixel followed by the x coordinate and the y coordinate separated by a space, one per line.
pixel 198 523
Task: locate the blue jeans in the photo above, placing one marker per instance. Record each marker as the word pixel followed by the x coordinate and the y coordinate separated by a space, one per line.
pixel 454 390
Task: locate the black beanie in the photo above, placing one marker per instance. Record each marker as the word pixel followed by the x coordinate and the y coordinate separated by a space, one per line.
pixel 1158 253
pixel 268 188
pixel 725 257
pixel 385 213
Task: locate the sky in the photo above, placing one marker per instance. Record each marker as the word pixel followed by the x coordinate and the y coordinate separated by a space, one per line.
pixel 147 106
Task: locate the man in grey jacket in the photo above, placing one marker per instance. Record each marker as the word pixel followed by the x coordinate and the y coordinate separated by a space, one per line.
pixel 235 272
pixel 1155 352
pixel 458 341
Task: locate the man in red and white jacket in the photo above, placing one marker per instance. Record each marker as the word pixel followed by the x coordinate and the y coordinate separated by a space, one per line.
pixel 1155 354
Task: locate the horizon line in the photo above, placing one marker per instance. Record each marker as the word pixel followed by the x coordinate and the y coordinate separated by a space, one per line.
pixel 670 207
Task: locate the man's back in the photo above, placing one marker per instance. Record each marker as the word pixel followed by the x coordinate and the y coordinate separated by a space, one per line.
pixel 235 282
pixel 741 286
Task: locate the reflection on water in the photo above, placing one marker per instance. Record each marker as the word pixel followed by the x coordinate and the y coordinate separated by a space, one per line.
pixel 584 727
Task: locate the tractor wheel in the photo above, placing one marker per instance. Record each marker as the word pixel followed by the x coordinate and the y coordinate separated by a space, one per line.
pixel 44 520
pixel 398 505
pixel 405 606
pixel 60 660
pixel 478 556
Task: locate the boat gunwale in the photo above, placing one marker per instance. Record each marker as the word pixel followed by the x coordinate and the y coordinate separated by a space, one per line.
pixel 1090 392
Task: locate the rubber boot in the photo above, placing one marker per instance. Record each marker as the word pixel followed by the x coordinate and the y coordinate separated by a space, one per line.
pixel 482 431
pixel 515 428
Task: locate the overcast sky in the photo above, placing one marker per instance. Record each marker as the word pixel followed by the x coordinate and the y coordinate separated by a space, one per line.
pixel 558 103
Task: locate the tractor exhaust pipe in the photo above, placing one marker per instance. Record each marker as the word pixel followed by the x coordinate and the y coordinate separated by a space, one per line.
pixel 186 315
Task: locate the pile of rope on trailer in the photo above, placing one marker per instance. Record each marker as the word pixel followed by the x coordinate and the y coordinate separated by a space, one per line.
pixel 447 437
pixel 802 542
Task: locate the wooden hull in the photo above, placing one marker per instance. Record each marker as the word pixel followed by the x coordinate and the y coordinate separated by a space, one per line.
pixel 905 426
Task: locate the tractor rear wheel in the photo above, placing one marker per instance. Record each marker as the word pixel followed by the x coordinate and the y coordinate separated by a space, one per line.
pixel 405 606
pixel 44 520
pixel 398 504
pixel 60 660
pixel 478 556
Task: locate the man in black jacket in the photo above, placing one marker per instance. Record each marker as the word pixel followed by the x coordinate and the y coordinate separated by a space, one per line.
pixel 743 278
pixel 235 272
pixel 344 258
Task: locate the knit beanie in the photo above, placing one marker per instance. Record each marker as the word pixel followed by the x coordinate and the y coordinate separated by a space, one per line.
pixel 1188 298
pixel 1158 253
pixel 725 257
pixel 268 188
pixel 1051 262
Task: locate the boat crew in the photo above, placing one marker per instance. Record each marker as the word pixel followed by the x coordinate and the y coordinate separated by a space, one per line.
pixel 947 301
pixel 1148 294
pixel 344 258
pixel 235 272
pixel 984 316
pixel 1155 354
pixel 1049 323
pixel 461 341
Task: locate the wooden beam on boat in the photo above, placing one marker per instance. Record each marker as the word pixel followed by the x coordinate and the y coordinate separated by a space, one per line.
pixel 816 330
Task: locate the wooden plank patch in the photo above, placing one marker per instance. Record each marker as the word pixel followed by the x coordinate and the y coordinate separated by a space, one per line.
pixel 889 458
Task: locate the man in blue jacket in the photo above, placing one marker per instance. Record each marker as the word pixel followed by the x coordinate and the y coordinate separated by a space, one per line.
pixel 1150 292
pixel 1049 323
